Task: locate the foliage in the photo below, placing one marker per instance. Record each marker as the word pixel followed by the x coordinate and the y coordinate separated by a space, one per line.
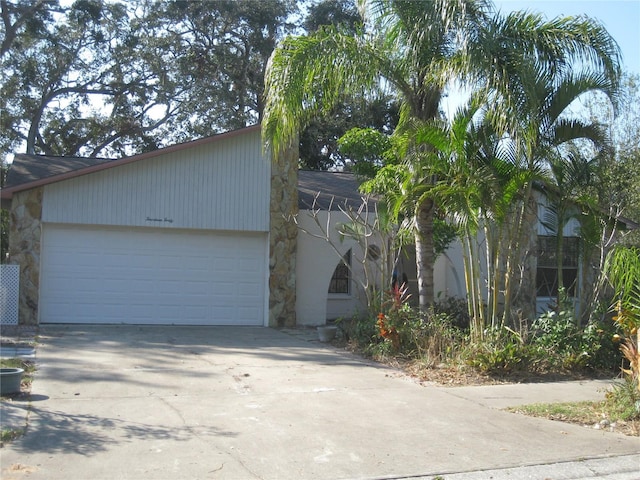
pixel 501 352
pixel 319 142
pixel 559 343
pixel 618 177
pixel 554 344
pixel 618 411
pixel 622 269
pixel 366 148
pixel 456 310
pixel 101 78
pixel 623 401
pixel 416 49
pixel 340 13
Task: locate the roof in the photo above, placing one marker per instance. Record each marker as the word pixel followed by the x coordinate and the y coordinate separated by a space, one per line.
pixel 26 169
pixel 316 189
pixel 324 190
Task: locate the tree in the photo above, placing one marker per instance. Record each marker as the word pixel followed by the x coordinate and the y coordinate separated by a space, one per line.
pixel 220 51
pixel 617 185
pixel 68 86
pixel 24 20
pixel 339 13
pixel 542 129
pixel 102 78
pixel 417 48
pixel 318 147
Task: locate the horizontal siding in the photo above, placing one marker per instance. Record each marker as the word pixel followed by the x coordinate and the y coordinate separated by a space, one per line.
pixel 221 185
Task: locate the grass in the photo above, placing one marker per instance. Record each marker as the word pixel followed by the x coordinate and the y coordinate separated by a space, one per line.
pixel 10 434
pixel 619 411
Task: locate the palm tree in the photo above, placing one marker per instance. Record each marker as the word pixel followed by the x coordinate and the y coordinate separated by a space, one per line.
pixel 542 127
pixel 571 175
pixel 417 48
pixel 478 183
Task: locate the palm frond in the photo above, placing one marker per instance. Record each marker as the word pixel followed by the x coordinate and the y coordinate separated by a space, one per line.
pixel 307 75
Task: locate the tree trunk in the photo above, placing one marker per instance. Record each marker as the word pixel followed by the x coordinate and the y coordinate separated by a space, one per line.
pixel 425 255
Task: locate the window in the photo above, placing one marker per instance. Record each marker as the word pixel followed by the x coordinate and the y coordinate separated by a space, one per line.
pixel 547 273
pixel 341 279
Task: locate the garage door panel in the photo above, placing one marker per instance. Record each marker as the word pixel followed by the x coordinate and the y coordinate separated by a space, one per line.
pixel 152 276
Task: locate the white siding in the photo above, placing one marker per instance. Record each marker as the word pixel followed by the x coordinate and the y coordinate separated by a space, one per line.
pixel 221 185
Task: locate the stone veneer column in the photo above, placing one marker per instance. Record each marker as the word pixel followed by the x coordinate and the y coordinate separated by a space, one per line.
pixel 24 250
pixel 283 239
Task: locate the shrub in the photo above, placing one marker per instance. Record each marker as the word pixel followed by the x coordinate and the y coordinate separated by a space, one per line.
pixel 433 338
pixel 457 311
pixel 623 402
pixel 359 330
pixel 558 343
pixel 501 352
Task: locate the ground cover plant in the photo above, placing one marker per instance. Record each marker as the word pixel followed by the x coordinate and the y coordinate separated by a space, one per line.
pixel 552 346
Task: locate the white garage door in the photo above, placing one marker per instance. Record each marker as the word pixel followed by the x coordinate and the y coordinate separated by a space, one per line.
pixel 152 276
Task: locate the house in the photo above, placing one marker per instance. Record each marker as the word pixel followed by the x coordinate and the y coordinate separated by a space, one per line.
pixel 209 232
pixel 179 235
pixel 197 234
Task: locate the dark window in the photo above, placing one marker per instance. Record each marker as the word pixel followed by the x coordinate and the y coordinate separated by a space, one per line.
pixel 341 279
pixel 547 273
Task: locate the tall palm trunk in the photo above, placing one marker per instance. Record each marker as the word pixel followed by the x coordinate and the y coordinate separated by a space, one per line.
pixel 514 245
pixel 425 255
pixel 562 295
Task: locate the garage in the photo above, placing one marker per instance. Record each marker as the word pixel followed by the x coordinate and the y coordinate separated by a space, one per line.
pixel 156 276
pixel 190 234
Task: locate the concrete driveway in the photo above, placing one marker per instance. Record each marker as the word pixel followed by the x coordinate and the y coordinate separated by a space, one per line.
pixel 127 402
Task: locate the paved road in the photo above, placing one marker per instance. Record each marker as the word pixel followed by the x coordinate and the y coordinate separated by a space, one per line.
pixel 157 403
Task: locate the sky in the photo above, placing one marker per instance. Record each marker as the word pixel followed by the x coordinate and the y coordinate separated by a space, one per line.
pixel 621 18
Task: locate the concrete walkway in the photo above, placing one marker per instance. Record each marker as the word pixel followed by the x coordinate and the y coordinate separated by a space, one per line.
pixel 126 402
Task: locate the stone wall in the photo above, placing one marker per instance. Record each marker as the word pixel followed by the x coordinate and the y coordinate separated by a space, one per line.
pixel 24 250
pixel 283 239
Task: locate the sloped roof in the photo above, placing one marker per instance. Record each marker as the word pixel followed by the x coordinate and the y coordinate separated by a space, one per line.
pixel 324 190
pixel 26 169
pixel 321 190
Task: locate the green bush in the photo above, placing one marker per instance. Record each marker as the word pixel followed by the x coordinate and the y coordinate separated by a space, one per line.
pixel 360 330
pixel 432 337
pixel 457 311
pixel 554 343
pixel 558 343
pixel 501 352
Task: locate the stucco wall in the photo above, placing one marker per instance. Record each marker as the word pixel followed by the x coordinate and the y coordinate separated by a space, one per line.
pixel 314 305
